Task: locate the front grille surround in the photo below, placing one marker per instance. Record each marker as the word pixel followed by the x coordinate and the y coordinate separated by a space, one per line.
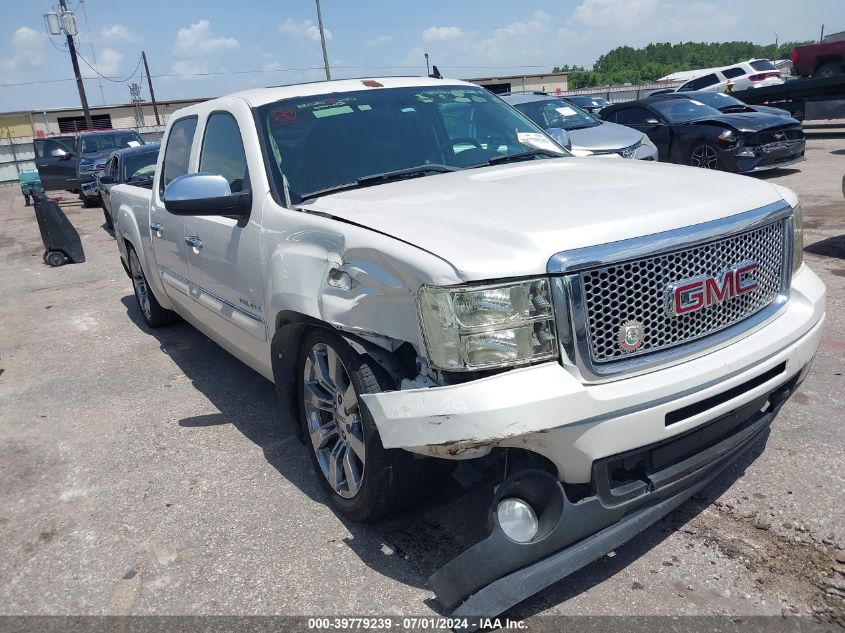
pixel 587 351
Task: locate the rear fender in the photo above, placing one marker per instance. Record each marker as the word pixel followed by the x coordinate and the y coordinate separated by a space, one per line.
pixel 129 230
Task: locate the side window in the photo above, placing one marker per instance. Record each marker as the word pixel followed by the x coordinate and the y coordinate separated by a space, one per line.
pixel 701 82
pixel 223 151
pixel 634 116
pixel 177 154
pixel 730 73
pixel 47 147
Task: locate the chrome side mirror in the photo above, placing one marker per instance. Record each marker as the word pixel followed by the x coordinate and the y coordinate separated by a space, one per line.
pixel 560 136
pixel 205 194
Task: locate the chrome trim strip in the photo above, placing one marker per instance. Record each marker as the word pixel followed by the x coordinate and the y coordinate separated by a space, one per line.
pixel 191 289
pixel 657 243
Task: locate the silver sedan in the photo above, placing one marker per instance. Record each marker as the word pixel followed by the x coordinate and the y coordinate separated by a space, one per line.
pixel 580 132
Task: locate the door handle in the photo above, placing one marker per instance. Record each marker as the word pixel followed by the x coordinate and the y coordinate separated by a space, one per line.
pixel 194 241
pixel 157 228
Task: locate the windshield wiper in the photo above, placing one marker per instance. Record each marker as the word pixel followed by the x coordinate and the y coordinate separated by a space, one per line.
pixel 376 179
pixel 523 156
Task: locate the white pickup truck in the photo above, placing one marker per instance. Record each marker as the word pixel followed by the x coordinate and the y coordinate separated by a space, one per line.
pixel 423 273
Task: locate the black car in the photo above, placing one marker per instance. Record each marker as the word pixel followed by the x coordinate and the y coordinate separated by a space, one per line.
pixel 688 132
pixel 70 162
pixel 727 104
pixel 134 165
pixel 587 102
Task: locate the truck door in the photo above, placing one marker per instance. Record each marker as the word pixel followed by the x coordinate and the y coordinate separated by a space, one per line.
pixel 167 230
pixel 56 160
pixel 223 255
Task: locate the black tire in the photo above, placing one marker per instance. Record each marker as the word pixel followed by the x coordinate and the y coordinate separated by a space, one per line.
pixel 87 203
pixel 153 314
pixel 703 155
pixel 108 218
pixel 27 200
pixel 390 479
pixel 831 69
pixel 55 258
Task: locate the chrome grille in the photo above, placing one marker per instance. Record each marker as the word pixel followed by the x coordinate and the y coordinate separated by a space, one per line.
pixel 634 291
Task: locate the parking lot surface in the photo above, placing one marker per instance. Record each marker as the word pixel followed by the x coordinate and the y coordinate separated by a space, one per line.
pixel 149 472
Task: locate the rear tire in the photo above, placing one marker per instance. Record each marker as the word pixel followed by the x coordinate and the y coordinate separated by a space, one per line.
pixel 89 204
pixel 108 218
pixel 363 480
pixel 830 69
pixel 154 315
pixel 703 155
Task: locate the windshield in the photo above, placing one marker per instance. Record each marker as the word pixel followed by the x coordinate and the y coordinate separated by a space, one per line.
pixel 97 143
pixel 681 110
pixel 556 113
pixel 326 141
pixel 718 100
pixel 140 166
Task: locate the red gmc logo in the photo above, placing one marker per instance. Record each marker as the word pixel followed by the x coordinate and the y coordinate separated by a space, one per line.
pixel 697 293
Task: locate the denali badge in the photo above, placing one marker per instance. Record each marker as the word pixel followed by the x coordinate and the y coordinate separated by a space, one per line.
pixel 690 295
pixel 631 336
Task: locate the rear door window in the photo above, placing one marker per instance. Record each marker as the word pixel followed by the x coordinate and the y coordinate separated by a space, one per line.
pixel 177 154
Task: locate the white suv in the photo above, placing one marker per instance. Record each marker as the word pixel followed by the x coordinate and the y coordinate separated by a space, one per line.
pixel 755 73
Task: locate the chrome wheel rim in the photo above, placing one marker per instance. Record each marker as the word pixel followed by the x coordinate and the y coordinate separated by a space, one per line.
pixel 333 419
pixel 705 157
pixel 142 293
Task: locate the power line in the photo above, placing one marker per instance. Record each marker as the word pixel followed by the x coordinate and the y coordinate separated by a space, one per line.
pixel 117 81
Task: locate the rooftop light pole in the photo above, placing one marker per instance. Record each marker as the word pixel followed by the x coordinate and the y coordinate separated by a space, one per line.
pixel 323 42
pixel 66 23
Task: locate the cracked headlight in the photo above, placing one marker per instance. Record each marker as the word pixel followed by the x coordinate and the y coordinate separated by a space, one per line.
pixel 797 238
pixel 479 327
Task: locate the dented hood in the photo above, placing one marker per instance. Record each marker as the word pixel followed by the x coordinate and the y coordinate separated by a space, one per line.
pixel 508 220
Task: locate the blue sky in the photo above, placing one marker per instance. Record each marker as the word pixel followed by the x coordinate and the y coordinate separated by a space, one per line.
pixel 278 38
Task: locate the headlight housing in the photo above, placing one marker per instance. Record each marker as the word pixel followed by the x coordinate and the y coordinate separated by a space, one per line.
pixel 797 238
pixel 727 136
pixel 646 141
pixel 481 327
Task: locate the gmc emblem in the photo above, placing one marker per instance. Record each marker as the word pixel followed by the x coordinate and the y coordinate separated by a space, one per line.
pixel 697 293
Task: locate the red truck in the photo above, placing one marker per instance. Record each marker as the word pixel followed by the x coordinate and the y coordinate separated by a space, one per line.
pixel 825 59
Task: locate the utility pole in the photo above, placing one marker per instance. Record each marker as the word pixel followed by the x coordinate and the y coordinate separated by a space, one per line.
pixel 150 83
pixel 427 68
pixel 323 41
pixel 72 48
pixel 821 37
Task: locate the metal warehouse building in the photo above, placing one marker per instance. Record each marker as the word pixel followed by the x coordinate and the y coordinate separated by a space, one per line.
pixel 555 82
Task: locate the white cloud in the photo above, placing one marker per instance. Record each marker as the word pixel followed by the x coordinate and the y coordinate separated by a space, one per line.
pixel 198 40
pixel 603 13
pixel 442 33
pixel 305 28
pixel 189 68
pixel 118 33
pixel 108 64
pixel 28 50
pixel 379 40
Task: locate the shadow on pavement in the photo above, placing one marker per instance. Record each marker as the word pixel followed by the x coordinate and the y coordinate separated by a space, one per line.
pixel 443 525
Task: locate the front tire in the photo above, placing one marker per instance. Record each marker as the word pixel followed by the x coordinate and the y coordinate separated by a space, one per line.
pixel 107 216
pixel 154 315
pixel 704 156
pixel 363 480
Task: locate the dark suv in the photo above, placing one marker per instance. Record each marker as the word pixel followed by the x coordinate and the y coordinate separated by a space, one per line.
pixel 70 162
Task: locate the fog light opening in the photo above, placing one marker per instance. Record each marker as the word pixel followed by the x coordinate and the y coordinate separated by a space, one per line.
pixel 517 520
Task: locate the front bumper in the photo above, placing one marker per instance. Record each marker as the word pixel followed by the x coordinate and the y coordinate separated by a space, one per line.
pixel 498 573
pixel 548 410
pixel 89 190
pixel 765 157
